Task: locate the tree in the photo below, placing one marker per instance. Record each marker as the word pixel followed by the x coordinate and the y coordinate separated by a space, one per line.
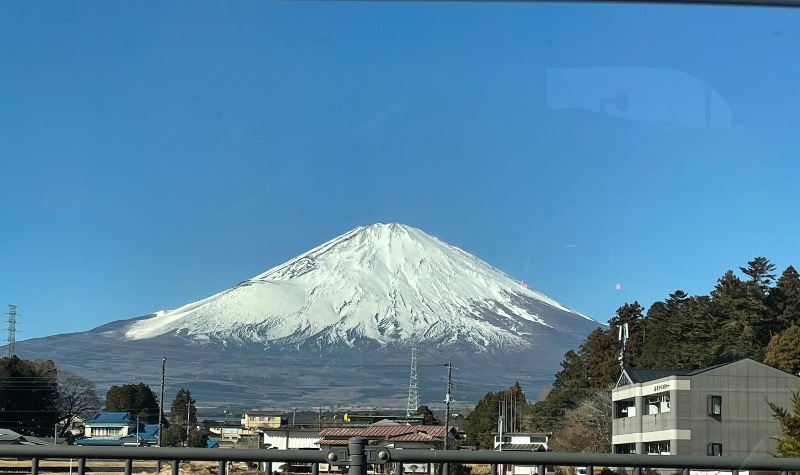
pixel 28 396
pixel 137 399
pixel 482 422
pixel 427 416
pixel 789 441
pixel 174 435
pixel 760 270
pixel 182 403
pixel 784 299
pixel 77 397
pixel 587 427
pixel 740 312
pixel 783 351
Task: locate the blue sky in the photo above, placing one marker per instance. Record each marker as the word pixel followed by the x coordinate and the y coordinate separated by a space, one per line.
pixel 153 153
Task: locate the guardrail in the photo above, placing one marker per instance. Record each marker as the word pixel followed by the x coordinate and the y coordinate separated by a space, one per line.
pixel 357 456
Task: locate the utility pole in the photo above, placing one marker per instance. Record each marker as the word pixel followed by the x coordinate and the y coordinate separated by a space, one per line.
pixel 161 402
pixel 447 400
pixel 188 415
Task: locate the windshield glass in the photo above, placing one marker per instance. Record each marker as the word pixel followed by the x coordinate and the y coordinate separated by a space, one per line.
pixel 533 167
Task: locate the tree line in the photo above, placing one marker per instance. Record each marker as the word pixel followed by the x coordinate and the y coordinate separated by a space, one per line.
pixel 748 315
pixel 36 399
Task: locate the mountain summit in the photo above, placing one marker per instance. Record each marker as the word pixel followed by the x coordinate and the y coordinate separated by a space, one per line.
pixel 373 286
pixel 334 325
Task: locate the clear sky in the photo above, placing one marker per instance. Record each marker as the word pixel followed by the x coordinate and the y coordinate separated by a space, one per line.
pixel 155 152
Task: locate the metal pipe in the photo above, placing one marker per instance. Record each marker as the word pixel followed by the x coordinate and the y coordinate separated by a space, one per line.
pixel 128 466
pixel 34 466
pixel 175 467
pixel 358 458
pixel 406 456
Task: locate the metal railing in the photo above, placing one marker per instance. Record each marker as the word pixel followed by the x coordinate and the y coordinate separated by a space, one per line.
pixel 358 456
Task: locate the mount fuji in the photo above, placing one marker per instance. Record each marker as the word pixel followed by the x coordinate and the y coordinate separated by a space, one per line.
pixel 335 326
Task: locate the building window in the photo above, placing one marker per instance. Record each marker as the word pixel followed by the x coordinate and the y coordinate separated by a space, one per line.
pixel 625 408
pixel 625 449
pixel 714 405
pixel 538 439
pixel 715 450
pixel 106 432
pixel 657 403
pixel 660 447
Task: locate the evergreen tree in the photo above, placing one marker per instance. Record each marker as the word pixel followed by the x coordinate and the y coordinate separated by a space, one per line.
pixel 183 409
pixel 28 396
pixel 760 270
pixel 137 399
pixel 739 315
pixel 482 422
pixel 427 416
pixel 661 331
pixel 789 441
pixel 784 299
pixel 783 351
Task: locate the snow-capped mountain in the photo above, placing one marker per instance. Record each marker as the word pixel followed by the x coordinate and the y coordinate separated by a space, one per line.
pixel 334 325
pixel 383 283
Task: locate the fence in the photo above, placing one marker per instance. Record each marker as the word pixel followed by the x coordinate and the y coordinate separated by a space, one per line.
pixel 357 456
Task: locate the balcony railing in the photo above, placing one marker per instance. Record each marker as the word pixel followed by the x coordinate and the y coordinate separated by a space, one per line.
pixel 358 456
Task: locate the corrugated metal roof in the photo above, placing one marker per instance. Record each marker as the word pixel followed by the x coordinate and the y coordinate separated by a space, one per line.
pixel 98 441
pixel 338 442
pixel 381 431
pixel 523 447
pixel 9 435
pixel 264 413
pixel 111 417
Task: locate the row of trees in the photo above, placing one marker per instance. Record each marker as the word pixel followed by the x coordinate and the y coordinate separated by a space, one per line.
pixel 35 398
pixel 753 316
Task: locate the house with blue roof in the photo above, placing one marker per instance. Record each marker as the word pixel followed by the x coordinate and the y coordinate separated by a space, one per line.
pixel 117 429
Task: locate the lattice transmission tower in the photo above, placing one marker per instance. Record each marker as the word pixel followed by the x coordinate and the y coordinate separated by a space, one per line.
pixel 12 330
pixel 412 404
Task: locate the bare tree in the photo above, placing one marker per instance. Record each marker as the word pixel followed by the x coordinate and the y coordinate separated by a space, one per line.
pixel 587 428
pixel 77 397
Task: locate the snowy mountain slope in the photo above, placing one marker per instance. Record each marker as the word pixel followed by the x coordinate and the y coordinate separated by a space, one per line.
pixel 375 285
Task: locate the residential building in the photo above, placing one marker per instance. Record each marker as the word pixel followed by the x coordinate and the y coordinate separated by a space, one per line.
pixel 257 420
pixel 521 442
pixel 117 428
pixel 287 438
pixel 721 410
pixel 10 437
pixel 392 435
pixel 225 433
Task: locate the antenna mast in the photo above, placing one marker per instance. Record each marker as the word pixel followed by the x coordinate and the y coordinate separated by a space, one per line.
pixel 623 337
pixel 12 330
pixel 412 404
